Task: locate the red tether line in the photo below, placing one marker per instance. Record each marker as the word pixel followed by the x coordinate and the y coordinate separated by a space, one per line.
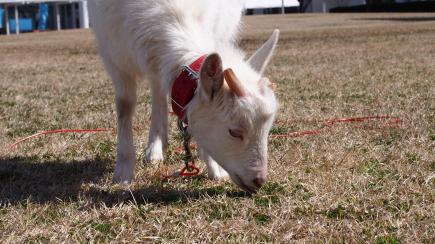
pixel 190 171
pixel 184 172
pixel 329 123
pixel 12 146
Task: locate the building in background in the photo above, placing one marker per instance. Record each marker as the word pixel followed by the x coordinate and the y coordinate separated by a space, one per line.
pixel 40 15
pixel 253 7
pixel 327 6
pixel 324 6
pixel 18 16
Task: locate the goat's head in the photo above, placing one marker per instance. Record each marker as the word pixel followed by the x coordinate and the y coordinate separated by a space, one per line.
pixel 233 114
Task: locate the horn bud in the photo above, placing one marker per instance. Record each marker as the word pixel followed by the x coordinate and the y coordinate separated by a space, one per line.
pixel 234 83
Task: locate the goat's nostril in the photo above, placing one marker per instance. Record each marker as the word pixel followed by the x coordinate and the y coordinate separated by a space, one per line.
pixel 258 182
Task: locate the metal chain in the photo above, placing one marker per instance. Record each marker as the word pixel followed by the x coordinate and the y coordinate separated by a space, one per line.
pixel 188 158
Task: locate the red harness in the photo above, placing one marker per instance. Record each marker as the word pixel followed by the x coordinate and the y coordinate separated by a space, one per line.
pixel 184 87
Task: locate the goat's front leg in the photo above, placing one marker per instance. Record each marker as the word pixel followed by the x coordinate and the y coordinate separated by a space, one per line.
pixel 215 171
pixel 158 135
pixel 125 95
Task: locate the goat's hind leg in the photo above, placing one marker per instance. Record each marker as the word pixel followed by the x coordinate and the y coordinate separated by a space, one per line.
pixel 125 98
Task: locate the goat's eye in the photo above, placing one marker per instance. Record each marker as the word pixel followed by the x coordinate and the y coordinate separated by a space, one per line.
pixel 236 134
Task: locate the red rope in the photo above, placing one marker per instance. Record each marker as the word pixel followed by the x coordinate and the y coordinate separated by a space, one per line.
pixel 192 170
pixel 391 121
pixel 12 146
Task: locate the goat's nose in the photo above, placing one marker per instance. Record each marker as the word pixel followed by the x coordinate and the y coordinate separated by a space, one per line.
pixel 259 181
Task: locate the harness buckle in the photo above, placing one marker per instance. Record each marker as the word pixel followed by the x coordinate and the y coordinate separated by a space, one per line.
pixel 191 72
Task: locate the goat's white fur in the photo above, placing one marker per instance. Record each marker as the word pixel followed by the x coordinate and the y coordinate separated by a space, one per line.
pixel 154 39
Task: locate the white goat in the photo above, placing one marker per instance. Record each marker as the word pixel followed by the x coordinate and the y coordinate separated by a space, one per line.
pixel 156 39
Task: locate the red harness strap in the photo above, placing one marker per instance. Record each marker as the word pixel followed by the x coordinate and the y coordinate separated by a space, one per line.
pixel 184 87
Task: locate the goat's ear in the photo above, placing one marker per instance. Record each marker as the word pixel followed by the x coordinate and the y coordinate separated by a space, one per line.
pixel 260 59
pixel 211 76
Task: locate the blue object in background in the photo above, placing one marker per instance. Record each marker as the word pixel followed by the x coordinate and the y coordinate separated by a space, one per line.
pixel 2 12
pixel 26 24
pixel 43 16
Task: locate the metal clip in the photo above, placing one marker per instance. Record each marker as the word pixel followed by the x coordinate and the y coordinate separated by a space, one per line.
pixel 191 72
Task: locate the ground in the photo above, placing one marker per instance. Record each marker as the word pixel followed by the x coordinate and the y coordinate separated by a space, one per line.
pixel 369 182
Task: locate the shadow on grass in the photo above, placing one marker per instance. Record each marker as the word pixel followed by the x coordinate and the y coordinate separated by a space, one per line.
pixel 156 195
pixel 22 179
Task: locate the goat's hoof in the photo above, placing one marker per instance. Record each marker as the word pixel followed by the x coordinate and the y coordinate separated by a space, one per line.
pixel 122 175
pixel 152 161
pixel 153 156
pixel 121 180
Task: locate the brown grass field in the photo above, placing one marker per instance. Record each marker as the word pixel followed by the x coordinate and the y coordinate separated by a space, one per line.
pixel 355 183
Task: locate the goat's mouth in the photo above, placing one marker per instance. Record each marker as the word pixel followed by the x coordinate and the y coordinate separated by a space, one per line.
pixel 242 185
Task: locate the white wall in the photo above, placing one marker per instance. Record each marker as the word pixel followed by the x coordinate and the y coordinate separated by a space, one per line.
pixel 253 4
pixel 84 14
pixel 323 6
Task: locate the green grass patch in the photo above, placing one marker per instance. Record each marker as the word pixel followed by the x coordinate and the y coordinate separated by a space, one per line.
pixel 103 228
pixel 105 150
pixel 40 238
pixel 218 211
pixel 272 187
pixel 278 130
pixel 338 212
pixel 378 170
pixel 397 206
pixel 388 239
pixel 412 158
pixel 50 215
pixel 266 201
pixel 269 194
pixel 261 218
pixel 301 192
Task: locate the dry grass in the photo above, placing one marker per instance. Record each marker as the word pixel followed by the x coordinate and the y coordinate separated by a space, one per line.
pixel 350 184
